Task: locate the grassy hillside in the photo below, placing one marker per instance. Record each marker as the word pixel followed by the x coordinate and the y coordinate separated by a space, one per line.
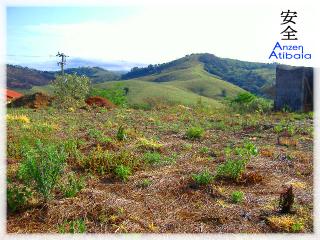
pixel 183 82
pixel 194 79
pixel 254 77
pixel 143 93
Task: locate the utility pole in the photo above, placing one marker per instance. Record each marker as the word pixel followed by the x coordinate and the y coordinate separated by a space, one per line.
pixel 63 61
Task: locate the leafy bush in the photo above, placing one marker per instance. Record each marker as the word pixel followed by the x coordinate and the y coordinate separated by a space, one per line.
pixel 202 178
pixel 70 90
pixel 41 168
pixel 123 172
pixel 195 132
pixel 17 196
pixel 236 162
pixel 237 196
pixel 284 126
pixel 116 94
pixel 247 102
pixel 73 226
pixel 231 169
pixel 121 133
pixel 72 186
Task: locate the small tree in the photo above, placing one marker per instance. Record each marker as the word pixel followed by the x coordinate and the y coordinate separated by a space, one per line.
pixel 71 90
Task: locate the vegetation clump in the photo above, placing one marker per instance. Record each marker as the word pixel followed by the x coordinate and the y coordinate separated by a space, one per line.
pixel 42 167
pixel 72 186
pixel 237 196
pixel 195 132
pixel 203 178
pixel 234 168
pixel 123 172
pixel 72 226
pixel 70 90
pixel 248 103
pixel 121 134
pixel 17 196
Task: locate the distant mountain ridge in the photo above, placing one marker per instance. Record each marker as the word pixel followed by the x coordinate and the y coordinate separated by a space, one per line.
pixel 25 78
pixel 74 62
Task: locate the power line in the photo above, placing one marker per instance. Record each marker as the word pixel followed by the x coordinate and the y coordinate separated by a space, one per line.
pixel 36 56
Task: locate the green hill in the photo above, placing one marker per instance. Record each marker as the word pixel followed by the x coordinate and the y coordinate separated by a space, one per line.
pixel 145 93
pixel 183 81
pixel 253 77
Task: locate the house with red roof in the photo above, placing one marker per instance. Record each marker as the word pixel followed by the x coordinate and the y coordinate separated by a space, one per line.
pixel 11 95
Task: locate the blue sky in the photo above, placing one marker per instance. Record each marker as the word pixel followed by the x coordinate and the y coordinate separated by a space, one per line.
pixel 148 34
pixel 24 42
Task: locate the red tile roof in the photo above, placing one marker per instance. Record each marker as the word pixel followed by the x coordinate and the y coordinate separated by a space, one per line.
pixel 13 94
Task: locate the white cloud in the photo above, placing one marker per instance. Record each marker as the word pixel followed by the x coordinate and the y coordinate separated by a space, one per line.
pixel 162 33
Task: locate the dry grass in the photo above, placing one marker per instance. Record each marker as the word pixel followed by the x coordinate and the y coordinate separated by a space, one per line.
pixel 168 204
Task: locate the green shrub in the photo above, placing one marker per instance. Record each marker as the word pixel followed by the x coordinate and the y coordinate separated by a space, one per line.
pixel 250 149
pixel 237 196
pixel 17 196
pixel 231 169
pixel 284 126
pixel 297 227
pixel 202 178
pixel 236 162
pixel 123 172
pixel 72 186
pixel 70 90
pixel 247 102
pixel 71 147
pixel 41 168
pixel 121 134
pixel 195 132
pixel 73 226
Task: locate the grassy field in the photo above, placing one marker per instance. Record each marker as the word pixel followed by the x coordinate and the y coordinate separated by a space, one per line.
pixel 169 170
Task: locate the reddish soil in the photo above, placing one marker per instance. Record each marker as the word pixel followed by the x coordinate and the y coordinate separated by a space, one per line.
pixel 100 102
pixel 36 100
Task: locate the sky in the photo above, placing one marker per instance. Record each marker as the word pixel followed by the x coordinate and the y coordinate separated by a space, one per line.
pixel 150 34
